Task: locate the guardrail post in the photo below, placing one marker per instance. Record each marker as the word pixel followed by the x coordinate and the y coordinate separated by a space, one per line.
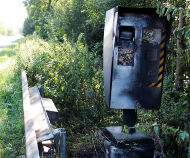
pixel 62 143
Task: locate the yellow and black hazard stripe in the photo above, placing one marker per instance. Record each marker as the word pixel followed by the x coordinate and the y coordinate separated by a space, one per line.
pixel 161 64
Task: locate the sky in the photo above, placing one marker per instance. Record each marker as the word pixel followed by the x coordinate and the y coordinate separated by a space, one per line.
pixel 12 13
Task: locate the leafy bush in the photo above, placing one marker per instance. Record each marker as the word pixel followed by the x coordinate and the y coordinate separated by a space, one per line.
pixel 174 109
pixel 73 78
pixel 28 27
pixel 71 75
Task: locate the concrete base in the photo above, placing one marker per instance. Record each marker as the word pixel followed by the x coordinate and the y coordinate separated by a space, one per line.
pixel 123 145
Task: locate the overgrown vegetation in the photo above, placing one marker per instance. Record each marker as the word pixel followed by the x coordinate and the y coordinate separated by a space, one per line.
pixel 65 55
pixel 11 115
pixel 70 74
pixel 72 77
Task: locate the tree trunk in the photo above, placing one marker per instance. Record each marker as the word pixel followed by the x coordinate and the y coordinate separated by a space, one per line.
pixel 180 65
pixel 49 5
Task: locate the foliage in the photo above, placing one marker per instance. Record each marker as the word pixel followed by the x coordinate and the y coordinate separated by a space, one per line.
pixel 11 115
pixel 29 27
pixel 73 18
pixel 174 116
pixel 71 75
pixel 172 9
pixel 173 142
pixel 175 104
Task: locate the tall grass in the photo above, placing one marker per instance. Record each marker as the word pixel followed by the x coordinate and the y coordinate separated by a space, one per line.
pixel 11 116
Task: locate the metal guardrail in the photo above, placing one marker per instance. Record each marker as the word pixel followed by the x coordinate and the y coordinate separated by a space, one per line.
pixel 37 125
pixel 30 135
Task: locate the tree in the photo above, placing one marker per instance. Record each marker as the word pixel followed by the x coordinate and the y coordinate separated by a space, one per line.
pixel 29 27
pixel 181 61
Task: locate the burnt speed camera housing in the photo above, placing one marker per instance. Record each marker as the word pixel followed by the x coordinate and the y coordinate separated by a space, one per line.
pixel 135 45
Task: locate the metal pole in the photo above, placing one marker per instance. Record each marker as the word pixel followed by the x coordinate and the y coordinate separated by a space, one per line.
pixel 129 119
pixel 62 143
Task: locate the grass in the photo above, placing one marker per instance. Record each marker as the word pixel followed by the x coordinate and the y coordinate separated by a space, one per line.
pixel 11 115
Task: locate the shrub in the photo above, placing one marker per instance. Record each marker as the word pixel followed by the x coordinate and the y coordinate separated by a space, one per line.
pixel 72 77
pixel 28 27
pixel 174 109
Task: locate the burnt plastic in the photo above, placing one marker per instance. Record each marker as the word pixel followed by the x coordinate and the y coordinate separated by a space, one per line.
pixel 135 45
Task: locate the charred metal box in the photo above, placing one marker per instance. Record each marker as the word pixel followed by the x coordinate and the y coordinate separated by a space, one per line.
pixel 135 43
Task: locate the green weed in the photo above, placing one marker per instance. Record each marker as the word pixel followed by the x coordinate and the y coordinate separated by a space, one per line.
pixel 11 116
